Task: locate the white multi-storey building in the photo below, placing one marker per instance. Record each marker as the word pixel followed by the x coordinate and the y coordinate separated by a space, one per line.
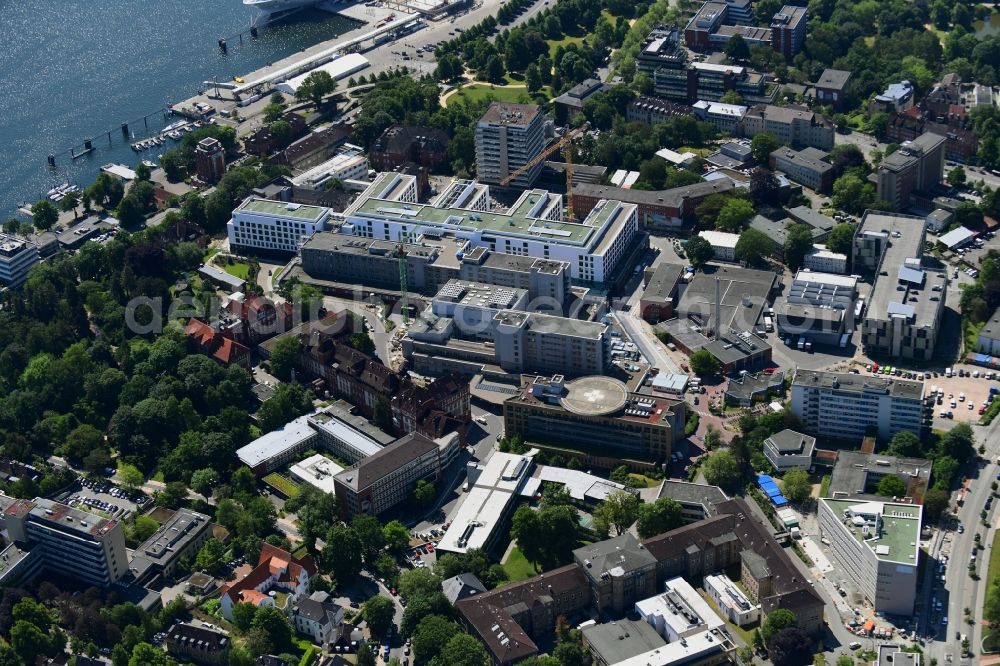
pixel 509 136
pixel 734 604
pixel 533 226
pixel 262 225
pixel 17 256
pixel 877 545
pixel 822 260
pixel 849 407
pixel 789 450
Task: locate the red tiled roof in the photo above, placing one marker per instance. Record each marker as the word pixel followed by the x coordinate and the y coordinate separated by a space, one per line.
pixel 230 351
pixel 272 561
pixel 201 332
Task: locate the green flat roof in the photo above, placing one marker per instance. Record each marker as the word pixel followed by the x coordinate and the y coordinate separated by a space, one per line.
pixel 515 224
pixel 281 209
pixel 900 529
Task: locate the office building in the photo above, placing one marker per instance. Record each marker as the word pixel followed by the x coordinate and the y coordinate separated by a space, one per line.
pixel 831 88
pixel 612 643
pixel 509 136
pixel 938 219
pixel 179 538
pixel 819 306
pixel 679 612
pixel 917 166
pixel 348 164
pixel 788 30
pixel 382 480
pixel 896 98
pixel 706 21
pixel 777 231
pixel 879 232
pixel 607 576
pixel 734 604
pixel 568 415
pixel 907 300
pixel 723 244
pixel 788 449
pixel 822 260
pixel 460 587
pixel 338 261
pixel 658 298
pixel 58 539
pixel 677 78
pixel 510 618
pixel 988 341
pixel 17 256
pixel 877 546
pixel 754 387
pixel 718 310
pixel 735 537
pixel 809 167
pixel 198 645
pixel 595 246
pixel 261 225
pixel 514 340
pixel 857 474
pixel 472 307
pixel 572 101
pixel 752 35
pixel 401 144
pixel 698 501
pixel 276 571
pixel 656 209
pixel 493 494
pixel 725 117
pixel 652 110
pixel 850 407
pixel 210 160
pixel 620 572
pixel 821 224
pixel 318 618
pixel 794 126
pixel 348 437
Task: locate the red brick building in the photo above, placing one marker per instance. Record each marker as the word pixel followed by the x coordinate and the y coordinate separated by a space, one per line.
pixel 218 344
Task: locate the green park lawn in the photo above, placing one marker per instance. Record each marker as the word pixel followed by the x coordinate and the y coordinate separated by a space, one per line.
pixel 481 91
pixel 518 567
pixel 239 269
pixel 565 41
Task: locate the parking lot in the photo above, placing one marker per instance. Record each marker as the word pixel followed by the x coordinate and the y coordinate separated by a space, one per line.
pixel 423 547
pixel 106 498
pixel 975 390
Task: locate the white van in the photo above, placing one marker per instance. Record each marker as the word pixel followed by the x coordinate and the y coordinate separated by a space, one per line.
pixel 947 372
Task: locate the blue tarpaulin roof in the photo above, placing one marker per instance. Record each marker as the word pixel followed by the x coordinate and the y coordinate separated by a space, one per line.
pixel 779 501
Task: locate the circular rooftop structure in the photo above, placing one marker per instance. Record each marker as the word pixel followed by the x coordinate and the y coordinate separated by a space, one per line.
pixel 594 396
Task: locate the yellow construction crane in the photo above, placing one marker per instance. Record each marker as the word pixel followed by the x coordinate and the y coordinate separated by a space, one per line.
pixel 565 142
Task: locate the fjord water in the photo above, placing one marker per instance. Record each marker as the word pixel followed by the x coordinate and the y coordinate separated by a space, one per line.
pixel 73 69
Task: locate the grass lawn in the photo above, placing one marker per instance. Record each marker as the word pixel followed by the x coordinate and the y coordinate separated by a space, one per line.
pixel 565 41
pixel 518 567
pixel 281 484
pixel 209 253
pixel 481 91
pixel 649 482
pixel 239 269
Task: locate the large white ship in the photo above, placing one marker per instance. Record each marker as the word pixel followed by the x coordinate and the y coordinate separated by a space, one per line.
pixel 275 8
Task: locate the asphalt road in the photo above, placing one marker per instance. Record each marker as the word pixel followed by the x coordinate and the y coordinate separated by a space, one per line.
pixel 960 590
